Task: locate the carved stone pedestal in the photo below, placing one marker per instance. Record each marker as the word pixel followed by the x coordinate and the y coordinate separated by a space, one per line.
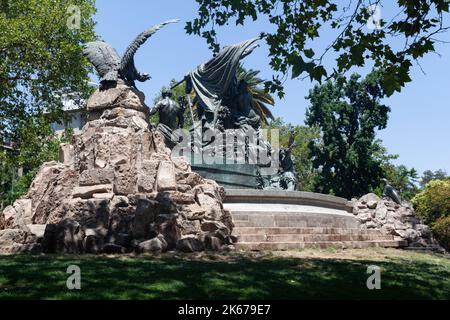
pixel 116 189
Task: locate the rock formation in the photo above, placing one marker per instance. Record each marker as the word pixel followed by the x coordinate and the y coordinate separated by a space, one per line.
pixel 116 189
pixel 394 219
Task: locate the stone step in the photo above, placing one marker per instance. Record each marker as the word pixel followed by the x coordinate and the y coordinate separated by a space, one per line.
pixel 250 216
pixel 260 246
pixel 276 231
pixel 290 221
pixel 241 224
pixel 295 220
pixel 236 199
pixel 311 238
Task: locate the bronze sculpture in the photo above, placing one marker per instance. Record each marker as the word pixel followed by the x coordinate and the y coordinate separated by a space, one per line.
pixel 225 110
pixel 245 115
pixel 390 192
pixel 111 67
pixel 286 178
pixel 217 88
pixel 171 115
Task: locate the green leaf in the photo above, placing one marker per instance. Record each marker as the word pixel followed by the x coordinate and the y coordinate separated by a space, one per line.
pixel 309 53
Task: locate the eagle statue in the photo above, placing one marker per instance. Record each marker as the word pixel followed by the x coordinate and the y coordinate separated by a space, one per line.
pixel 111 67
pixel 390 192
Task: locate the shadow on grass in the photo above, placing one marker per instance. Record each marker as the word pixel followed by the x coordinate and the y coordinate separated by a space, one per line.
pixel 239 277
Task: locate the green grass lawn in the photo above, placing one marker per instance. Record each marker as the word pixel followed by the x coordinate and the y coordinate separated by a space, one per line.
pixel 312 274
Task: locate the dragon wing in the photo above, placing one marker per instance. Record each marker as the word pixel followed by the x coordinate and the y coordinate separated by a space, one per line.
pixel 128 57
pixel 104 58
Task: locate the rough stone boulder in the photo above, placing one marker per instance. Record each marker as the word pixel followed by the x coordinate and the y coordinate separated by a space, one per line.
pixel 393 219
pixel 18 241
pixel 116 189
pixel 119 97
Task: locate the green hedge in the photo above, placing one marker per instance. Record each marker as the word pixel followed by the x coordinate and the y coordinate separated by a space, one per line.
pixel 433 207
pixel 441 230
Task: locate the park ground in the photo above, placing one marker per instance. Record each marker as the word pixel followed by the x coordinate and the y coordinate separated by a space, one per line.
pixel 308 274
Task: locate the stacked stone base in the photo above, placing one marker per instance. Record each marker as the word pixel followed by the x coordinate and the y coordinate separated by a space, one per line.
pixel 300 224
pixel 392 219
pixel 116 189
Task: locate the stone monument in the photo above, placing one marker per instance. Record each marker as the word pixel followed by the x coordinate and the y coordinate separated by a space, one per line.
pixel 116 188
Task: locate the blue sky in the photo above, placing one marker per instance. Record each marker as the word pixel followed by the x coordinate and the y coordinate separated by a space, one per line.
pixel 419 125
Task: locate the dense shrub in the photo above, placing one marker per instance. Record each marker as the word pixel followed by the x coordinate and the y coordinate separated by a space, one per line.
pixel 441 229
pixel 434 201
pixel 433 206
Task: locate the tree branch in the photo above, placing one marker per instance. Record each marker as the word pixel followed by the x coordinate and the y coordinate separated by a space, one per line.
pixel 12 79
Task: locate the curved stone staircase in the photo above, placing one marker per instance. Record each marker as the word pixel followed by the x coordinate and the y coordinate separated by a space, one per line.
pixel 274 220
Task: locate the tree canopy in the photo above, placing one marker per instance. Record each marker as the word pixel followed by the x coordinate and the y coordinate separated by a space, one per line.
pixel 348 112
pixel 41 59
pixel 429 175
pixel 392 43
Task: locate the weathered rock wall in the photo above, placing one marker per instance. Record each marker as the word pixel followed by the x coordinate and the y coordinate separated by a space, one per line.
pixel 393 219
pixel 116 189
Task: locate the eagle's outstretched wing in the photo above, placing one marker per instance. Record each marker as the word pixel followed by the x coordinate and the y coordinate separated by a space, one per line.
pixel 104 58
pixel 128 58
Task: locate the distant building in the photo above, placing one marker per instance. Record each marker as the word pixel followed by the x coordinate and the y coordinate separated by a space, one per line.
pixel 75 109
